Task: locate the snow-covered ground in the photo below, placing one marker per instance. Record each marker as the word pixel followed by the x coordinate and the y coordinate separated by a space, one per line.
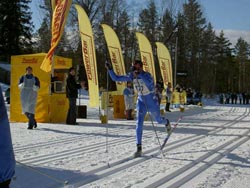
pixel 210 148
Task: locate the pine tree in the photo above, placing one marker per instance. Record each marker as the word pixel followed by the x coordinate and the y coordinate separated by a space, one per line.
pixel 125 37
pixel 43 34
pixel 223 59
pixel 15 27
pixel 208 60
pixel 167 27
pixel 43 37
pixel 149 22
pixel 242 52
pixel 194 26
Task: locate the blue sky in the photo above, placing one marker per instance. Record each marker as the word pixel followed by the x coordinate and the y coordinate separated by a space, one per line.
pixel 36 13
pixel 231 16
pixel 227 14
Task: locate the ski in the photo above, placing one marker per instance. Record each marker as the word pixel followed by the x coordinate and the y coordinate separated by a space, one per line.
pixel 169 134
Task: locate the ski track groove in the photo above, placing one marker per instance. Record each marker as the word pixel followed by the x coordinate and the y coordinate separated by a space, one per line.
pixel 119 165
pixel 65 140
pixel 114 169
pixel 42 159
pixel 79 150
pixel 57 141
pixel 197 170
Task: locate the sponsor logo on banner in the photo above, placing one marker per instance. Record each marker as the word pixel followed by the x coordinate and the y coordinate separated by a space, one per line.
pixel 116 59
pixel 163 63
pixel 88 57
pixel 114 54
pixel 146 54
pixel 146 58
pixel 60 62
pixel 54 3
pixel 58 20
pixel 30 60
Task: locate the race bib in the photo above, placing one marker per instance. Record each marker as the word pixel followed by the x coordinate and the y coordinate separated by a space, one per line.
pixel 140 87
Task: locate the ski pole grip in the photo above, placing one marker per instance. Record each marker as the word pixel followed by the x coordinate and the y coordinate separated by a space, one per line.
pixel 108 65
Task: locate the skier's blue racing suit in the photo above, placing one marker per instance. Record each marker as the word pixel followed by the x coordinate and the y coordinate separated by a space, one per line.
pixel 146 101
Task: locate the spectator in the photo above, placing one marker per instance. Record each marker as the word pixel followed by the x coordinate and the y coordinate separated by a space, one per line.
pixel 72 94
pixel 240 97
pixel 168 97
pixel 158 91
pixel 129 100
pixel 29 85
pixel 244 97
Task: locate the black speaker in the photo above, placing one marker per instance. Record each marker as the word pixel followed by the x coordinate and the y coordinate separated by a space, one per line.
pixel 82 111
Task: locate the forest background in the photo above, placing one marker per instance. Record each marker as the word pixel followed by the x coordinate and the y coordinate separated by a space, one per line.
pixel 201 59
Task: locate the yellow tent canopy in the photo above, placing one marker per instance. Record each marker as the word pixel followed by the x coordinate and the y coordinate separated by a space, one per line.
pixel 51 107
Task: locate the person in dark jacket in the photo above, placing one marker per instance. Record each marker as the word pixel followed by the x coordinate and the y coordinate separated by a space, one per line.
pixel 72 94
pixel 168 97
pixel 7 158
pixel 158 91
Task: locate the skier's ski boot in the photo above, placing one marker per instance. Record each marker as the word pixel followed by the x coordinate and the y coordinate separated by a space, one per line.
pixel 168 127
pixel 138 153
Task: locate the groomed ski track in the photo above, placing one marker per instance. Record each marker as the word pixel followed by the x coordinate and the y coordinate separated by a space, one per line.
pixel 195 134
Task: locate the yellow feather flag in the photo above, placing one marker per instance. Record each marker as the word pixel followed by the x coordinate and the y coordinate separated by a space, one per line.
pixel 147 57
pixel 58 22
pixel 115 53
pixel 165 63
pixel 89 56
pixel 53 4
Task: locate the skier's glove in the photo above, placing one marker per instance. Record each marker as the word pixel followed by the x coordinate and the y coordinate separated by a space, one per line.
pixel 135 74
pixel 108 65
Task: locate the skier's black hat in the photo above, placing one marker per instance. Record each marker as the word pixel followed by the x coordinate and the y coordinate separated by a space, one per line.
pixel 138 62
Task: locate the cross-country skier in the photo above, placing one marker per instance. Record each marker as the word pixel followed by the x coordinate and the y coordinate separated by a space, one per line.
pixel 147 101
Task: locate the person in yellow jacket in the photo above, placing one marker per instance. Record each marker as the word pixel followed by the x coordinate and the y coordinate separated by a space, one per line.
pixel 183 96
pixel 176 98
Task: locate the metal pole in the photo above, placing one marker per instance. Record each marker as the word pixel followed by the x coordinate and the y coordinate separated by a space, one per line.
pixel 175 63
pixel 107 128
